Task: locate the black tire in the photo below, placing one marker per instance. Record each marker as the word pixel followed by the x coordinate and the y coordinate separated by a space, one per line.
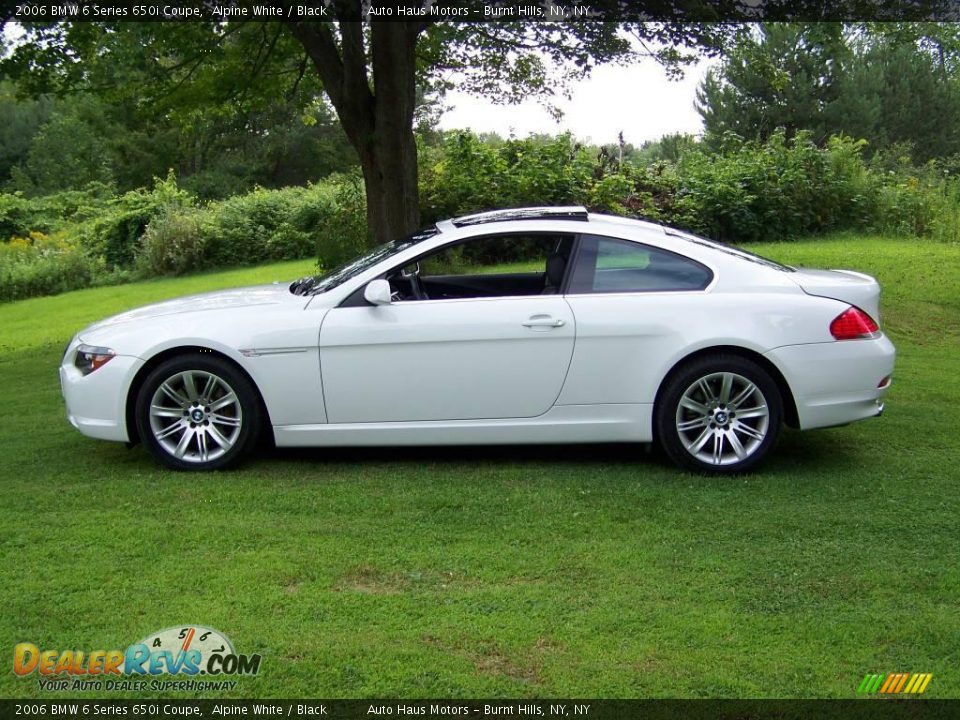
pixel 704 433
pixel 226 428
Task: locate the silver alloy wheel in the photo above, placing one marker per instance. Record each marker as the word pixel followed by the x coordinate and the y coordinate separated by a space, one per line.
pixel 195 416
pixel 722 418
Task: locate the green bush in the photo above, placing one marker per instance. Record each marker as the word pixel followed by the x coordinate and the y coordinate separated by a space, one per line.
pixel 114 234
pixel 327 219
pixel 758 192
pixel 746 192
pixel 783 189
pixel 19 216
pixel 743 192
pixel 468 175
pixel 945 223
pixel 42 265
pixel 240 226
pixel 340 231
pixel 173 243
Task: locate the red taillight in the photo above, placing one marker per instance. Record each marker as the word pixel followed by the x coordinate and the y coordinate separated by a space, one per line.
pixel 853 324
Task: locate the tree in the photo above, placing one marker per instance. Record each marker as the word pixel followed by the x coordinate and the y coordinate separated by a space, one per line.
pixel 368 71
pixel 897 85
pixel 901 93
pixel 69 150
pixel 19 123
pixel 781 75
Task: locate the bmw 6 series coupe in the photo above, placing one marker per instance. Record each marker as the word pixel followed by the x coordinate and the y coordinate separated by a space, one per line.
pixel 537 325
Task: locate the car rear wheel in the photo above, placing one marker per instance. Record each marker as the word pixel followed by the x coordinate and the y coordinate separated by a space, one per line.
pixel 719 414
pixel 197 412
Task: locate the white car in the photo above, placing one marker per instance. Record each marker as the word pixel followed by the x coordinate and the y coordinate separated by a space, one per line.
pixel 538 325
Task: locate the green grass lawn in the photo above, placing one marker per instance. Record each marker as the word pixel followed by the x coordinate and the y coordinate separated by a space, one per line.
pixel 546 571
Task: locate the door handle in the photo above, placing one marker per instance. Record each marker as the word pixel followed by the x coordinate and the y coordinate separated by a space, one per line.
pixel 539 321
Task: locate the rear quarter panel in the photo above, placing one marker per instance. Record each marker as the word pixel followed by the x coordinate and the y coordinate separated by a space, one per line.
pixel 627 343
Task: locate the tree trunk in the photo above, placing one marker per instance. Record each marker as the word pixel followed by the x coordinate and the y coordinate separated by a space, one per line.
pixel 378 121
pixel 389 159
pixel 390 181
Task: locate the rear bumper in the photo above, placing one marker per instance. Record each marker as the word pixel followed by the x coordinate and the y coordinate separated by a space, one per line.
pixel 836 383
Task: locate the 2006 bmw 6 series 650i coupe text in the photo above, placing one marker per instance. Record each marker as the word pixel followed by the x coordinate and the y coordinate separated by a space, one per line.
pixel 539 325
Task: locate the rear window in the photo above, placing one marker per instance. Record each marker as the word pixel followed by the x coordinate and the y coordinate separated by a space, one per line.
pixel 610 265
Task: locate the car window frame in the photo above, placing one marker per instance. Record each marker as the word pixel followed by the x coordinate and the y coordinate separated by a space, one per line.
pixel 356 298
pixel 578 254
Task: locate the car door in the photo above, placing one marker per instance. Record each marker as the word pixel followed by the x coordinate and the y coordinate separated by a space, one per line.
pixel 464 358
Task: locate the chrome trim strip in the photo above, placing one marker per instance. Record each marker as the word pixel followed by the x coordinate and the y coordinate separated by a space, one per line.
pixel 258 352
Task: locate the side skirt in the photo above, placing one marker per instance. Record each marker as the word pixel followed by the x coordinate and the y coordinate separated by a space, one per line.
pixel 560 424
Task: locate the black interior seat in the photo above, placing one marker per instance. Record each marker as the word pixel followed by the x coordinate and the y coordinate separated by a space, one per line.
pixel 556 265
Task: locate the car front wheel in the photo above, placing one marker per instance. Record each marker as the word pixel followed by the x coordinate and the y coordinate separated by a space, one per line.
pixel 197 412
pixel 719 414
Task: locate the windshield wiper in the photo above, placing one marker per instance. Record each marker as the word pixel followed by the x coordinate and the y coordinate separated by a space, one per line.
pixel 303 285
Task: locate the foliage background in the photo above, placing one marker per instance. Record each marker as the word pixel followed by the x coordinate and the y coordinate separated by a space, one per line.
pixel 747 191
pixel 809 129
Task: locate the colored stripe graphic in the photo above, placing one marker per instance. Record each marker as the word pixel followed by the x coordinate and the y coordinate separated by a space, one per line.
pixel 913 682
pixel 895 683
pixel 903 680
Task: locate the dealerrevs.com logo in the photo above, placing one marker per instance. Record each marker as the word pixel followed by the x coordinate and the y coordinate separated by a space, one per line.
pixel 187 651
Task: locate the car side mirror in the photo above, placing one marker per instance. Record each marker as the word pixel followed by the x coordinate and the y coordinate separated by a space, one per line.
pixel 377 292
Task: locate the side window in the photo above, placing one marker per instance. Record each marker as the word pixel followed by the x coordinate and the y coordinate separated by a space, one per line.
pixel 487 266
pixel 609 265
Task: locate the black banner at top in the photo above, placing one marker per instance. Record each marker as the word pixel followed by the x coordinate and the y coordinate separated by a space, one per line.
pixel 479 11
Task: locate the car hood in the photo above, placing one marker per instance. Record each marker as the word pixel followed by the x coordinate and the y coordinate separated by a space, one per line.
pixel 844 285
pixel 219 300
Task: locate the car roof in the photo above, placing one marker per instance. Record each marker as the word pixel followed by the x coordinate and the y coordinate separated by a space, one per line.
pixel 575 213
pixel 577 219
pixel 569 212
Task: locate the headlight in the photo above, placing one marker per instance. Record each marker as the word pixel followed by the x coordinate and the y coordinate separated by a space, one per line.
pixel 90 358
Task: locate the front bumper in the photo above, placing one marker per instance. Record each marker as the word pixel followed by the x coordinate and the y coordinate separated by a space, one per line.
pixel 838 382
pixel 96 403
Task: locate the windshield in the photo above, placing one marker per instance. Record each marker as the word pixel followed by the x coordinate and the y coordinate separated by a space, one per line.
pixel 730 250
pixel 338 276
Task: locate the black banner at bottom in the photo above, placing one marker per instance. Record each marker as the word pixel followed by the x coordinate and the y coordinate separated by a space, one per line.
pixel 485 709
